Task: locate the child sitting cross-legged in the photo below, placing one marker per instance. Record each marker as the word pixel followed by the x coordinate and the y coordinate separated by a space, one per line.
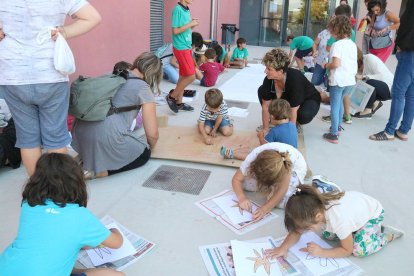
pixel 55 224
pixel 214 116
pixel 274 169
pixel 210 69
pixel 284 131
pixel 353 218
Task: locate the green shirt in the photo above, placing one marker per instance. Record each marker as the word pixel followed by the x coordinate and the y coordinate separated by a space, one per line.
pixel 180 17
pixel 301 43
pixel 240 54
pixel 223 54
pixel 332 40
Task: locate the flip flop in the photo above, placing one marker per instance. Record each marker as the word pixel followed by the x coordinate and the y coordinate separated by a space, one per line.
pixel 399 136
pixel 380 136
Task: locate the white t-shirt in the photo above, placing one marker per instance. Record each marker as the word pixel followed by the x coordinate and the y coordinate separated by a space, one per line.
pixel 375 69
pixel 299 164
pixel 344 75
pixel 350 213
pixel 323 36
pixel 22 59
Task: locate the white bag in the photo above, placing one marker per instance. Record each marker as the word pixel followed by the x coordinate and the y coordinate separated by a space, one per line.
pixel 63 59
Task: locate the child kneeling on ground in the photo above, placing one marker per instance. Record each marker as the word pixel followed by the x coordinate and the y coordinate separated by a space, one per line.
pixel 351 217
pixel 55 224
pixel 275 169
pixel 210 69
pixel 214 116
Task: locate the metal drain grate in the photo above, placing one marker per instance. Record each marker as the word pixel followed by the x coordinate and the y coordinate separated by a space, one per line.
pixel 178 179
pixel 242 105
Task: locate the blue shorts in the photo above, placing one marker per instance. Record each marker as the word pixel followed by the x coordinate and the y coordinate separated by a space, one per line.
pixel 39 112
pixel 210 123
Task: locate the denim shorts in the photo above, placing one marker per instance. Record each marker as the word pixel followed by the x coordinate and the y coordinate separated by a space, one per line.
pixel 39 112
pixel 210 123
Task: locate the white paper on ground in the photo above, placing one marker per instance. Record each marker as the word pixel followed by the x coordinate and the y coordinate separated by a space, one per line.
pixel 105 255
pixel 250 259
pixel 229 205
pixel 238 112
pixel 318 266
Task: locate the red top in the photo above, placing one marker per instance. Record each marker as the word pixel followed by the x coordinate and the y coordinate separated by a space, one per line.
pixel 211 71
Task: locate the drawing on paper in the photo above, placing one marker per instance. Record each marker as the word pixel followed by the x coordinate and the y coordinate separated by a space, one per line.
pixel 260 260
pixel 237 205
pixel 101 251
pixel 323 261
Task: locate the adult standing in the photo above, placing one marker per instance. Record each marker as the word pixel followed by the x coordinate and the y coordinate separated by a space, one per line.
pixel 403 86
pixel 385 21
pixel 282 82
pixel 36 93
pixel 112 146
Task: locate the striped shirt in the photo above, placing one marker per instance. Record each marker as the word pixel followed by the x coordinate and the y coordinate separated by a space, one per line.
pixel 207 115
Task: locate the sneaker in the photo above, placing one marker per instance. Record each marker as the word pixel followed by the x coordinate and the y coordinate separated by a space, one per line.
pixel 347 119
pixel 184 107
pixel 332 138
pixel 340 129
pixel 326 119
pixel 394 232
pixel 171 103
pixel 324 185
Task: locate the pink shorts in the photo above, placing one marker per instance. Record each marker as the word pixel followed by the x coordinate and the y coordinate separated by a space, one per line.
pixel 185 62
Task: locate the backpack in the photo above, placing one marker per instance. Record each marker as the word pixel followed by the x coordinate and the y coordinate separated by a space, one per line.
pixel 91 98
pixel 160 51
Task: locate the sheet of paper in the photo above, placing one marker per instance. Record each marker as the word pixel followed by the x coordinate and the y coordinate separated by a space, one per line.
pixel 141 248
pixel 317 265
pixel 211 208
pixel 250 259
pixel 230 205
pixel 238 112
pixel 102 255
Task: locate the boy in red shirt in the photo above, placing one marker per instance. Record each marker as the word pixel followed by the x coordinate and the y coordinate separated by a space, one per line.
pixel 210 69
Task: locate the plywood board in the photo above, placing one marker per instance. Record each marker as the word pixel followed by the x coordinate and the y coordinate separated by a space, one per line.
pixel 186 144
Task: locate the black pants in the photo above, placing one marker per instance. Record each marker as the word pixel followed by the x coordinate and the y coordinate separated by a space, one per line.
pixel 140 161
pixel 381 92
pixel 7 149
pixel 306 112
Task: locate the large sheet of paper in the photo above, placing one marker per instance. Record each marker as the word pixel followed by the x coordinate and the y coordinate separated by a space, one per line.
pixel 210 207
pixel 250 259
pixel 218 259
pixel 141 248
pixel 244 84
pixel 102 255
pixel 317 265
pixel 230 205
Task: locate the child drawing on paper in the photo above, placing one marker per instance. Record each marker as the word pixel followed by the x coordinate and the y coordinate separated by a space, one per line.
pixel 351 217
pixel 55 223
pixel 274 169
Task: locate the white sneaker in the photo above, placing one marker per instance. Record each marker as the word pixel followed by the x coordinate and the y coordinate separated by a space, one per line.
pixel 390 230
pixel 324 185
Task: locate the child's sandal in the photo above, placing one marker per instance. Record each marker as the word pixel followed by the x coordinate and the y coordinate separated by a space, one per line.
pixel 226 153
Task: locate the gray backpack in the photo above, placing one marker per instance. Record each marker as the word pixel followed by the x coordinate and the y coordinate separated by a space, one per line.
pixel 91 98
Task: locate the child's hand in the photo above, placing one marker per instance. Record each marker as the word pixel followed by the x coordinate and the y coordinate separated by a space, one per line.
pixel 246 204
pixel 313 249
pixel 260 213
pixel 277 252
pixel 208 140
pixel 260 134
pixel 194 22
pixel 213 133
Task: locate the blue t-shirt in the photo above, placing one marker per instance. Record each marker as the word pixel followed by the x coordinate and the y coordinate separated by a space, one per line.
pixel 180 17
pixel 49 239
pixel 283 133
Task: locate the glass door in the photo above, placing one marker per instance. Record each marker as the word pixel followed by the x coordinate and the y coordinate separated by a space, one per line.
pixel 318 17
pixel 271 23
pixel 296 15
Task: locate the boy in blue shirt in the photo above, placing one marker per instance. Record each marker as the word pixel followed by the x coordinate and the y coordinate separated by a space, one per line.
pixel 182 25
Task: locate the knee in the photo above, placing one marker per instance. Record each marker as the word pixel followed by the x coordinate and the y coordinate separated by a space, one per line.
pixel 227 131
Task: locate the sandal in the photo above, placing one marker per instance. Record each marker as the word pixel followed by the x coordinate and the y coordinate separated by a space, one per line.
pixel 89 175
pixel 380 136
pixel 226 153
pixel 400 136
pixel 377 107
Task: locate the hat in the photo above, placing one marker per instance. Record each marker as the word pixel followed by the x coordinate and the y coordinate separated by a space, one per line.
pixel 201 51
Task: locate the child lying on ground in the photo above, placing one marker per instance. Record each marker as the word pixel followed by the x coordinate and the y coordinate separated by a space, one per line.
pixel 351 217
pixel 214 116
pixel 55 224
pixel 274 169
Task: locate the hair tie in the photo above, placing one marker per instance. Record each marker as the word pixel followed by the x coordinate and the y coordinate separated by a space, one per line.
pixel 297 191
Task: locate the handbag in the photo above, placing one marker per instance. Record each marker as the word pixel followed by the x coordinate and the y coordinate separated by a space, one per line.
pixel 381 42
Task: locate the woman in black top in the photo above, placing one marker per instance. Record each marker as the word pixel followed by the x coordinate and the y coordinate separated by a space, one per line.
pixel 289 84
